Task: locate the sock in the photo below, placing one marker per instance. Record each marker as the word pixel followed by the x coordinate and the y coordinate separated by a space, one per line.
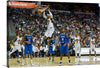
pixel 23 60
pixel 95 55
pixel 78 59
pixel 75 59
pixel 60 60
pixel 31 60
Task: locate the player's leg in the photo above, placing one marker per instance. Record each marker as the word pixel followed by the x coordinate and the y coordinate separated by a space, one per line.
pixel 30 52
pixel 19 53
pixel 49 53
pixel 94 50
pixel 25 53
pixel 90 52
pixel 67 53
pixel 68 57
pixel 53 54
pixel 61 54
pixel 95 53
pixel 76 58
pixel 22 53
pixel 13 50
pixel 78 52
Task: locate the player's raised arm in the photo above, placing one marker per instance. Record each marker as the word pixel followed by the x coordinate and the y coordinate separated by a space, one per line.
pixel 51 15
pixel 44 16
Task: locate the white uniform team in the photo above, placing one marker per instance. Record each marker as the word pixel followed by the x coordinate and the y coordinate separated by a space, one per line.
pixel 92 45
pixel 17 45
pixel 77 46
pixel 50 27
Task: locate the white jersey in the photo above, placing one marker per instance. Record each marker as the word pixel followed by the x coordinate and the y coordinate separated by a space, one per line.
pixel 77 40
pixel 50 28
pixel 50 24
pixel 92 45
pixel 19 39
pixel 77 45
pixel 92 42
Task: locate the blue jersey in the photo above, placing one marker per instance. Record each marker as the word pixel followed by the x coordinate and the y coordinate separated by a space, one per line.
pixel 50 43
pixel 53 41
pixel 63 38
pixel 28 38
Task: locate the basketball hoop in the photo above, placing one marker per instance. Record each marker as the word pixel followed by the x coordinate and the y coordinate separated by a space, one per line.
pixel 42 8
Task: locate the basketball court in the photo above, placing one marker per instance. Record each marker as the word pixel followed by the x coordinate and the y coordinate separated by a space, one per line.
pixel 44 61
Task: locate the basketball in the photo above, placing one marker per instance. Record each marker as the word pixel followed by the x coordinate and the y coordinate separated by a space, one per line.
pixel 39 12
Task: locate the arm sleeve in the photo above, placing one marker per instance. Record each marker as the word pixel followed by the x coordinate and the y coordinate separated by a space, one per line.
pixel 51 14
pixel 44 16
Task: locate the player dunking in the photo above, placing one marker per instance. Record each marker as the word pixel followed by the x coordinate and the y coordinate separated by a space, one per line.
pixel 28 46
pixel 92 46
pixel 64 46
pixel 77 40
pixel 50 28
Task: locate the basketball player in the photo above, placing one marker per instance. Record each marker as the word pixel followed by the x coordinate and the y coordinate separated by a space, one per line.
pixel 27 40
pixel 17 46
pixel 92 46
pixel 64 46
pixel 50 28
pixel 51 46
pixel 77 42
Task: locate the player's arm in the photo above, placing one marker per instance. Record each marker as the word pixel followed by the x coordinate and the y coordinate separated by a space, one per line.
pixel 48 43
pixel 24 41
pixel 14 39
pixel 66 40
pixel 44 16
pixel 81 42
pixel 50 13
pixel 95 42
pixel 89 43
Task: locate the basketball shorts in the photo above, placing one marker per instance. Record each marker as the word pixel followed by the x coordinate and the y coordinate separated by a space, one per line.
pixel 17 47
pixel 49 32
pixel 28 48
pixel 77 50
pixel 64 49
pixel 51 50
pixel 92 48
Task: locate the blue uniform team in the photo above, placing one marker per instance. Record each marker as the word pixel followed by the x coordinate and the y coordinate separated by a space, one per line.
pixel 28 46
pixel 28 41
pixel 64 40
pixel 51 51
